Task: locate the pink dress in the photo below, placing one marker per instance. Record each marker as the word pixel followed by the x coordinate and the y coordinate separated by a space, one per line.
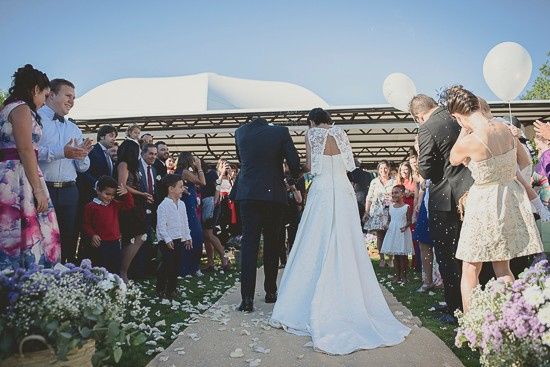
pixel 27 237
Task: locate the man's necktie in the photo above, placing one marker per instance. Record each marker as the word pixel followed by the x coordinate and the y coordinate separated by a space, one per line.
pixel 58 117
pixel 149 180
pixel 109 162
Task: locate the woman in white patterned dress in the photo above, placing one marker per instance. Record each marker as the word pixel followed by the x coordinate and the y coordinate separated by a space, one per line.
pixel 329 290
pixel 377 206
pixel 498 224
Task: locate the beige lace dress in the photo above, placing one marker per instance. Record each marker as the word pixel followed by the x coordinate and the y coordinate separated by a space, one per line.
pixel 498 222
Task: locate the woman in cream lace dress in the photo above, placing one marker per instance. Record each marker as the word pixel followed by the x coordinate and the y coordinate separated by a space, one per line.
pixel 498 223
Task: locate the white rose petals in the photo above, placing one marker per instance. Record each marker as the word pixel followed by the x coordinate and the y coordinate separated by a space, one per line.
pixel 237 353
pixel 245 332
pixel 194 336
pixel 254 362
pixel 262 350
pixel 164 358
pixel 160 323
pixel 266 327
pixel 431 309
pixel 430 293
pixel 300 356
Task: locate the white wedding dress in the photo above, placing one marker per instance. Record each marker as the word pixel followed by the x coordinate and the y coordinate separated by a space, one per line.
pixel 328 289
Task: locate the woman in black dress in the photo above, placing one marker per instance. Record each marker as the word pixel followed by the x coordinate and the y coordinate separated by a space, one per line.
pixel 132 222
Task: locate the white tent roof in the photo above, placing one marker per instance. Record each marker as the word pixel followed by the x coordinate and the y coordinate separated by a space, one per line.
pixel 190 94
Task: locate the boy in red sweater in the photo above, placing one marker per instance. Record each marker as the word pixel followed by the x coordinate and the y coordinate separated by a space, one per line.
pixel 101 221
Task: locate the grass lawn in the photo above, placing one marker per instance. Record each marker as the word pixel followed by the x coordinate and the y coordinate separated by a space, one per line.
pixel 195 296
pixel 419 304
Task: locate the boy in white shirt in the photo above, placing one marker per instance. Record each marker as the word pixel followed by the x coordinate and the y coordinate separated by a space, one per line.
pixel 173 234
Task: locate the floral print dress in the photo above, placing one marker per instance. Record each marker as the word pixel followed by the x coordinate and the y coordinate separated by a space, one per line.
pixel 27 237
pixel 380 197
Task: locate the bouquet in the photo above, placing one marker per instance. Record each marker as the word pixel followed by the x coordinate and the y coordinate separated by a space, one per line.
pixel 509 323
pixel 69 305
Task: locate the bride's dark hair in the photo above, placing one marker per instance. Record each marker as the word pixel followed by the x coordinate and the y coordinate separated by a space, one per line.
pixel 319 116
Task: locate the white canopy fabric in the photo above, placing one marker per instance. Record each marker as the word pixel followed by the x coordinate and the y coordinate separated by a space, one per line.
pixel 190 94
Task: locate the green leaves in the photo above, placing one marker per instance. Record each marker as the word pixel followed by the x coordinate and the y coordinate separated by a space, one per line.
pixel 117 353
pixel 85 332
pixel 139 339
pixel 541 86
pixel 65 335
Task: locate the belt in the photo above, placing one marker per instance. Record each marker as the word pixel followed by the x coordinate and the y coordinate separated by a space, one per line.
pixel 60 185
pixel 12 154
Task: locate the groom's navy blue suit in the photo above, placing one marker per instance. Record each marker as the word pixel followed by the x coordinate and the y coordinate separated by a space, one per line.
pixel 261 193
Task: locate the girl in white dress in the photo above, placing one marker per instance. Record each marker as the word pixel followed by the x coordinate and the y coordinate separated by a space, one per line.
pixel 398 240
pixel 329 290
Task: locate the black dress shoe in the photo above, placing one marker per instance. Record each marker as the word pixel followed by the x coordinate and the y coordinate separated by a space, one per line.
pixel 448 319
pixel 441 308
pixel 271 297
pixel 247 305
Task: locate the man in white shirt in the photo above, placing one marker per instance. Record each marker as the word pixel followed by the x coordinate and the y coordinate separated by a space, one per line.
pixel 62 153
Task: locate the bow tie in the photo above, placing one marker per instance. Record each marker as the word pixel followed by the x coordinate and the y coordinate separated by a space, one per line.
pixel 58 117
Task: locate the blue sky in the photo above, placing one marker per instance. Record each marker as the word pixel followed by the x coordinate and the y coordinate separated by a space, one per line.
pixel 341 50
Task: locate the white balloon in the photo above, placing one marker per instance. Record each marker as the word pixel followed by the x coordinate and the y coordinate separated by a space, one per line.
pixel 398 90
pixel 507 69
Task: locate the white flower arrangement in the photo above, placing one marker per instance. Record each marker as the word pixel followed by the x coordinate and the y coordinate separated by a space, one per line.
pixel 509 323
pixel 68 305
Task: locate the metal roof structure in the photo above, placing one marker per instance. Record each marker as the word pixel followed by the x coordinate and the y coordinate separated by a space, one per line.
pixel 376 132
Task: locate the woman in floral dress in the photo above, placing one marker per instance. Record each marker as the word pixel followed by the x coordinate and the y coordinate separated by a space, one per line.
pixel 377 206
pixel 28 226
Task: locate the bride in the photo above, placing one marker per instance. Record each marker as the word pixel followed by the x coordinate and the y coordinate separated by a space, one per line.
pixel 329 290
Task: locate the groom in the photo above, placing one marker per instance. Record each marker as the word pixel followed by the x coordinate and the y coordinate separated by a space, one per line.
pixel 261 193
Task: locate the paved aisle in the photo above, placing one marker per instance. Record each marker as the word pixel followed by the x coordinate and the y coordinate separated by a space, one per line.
pixel 221 330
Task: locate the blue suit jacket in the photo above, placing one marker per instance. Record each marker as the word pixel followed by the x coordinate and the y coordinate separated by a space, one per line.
pixel 262 148
pixel 98 167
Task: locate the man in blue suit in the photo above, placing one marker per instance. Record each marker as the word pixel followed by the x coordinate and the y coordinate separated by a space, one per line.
pixel 100 165
pixel 261 193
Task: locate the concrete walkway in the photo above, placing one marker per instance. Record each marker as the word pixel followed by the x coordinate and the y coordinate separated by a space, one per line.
pixel 222 330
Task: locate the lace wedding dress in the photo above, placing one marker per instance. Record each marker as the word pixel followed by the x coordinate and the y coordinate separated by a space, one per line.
pixel 329 290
